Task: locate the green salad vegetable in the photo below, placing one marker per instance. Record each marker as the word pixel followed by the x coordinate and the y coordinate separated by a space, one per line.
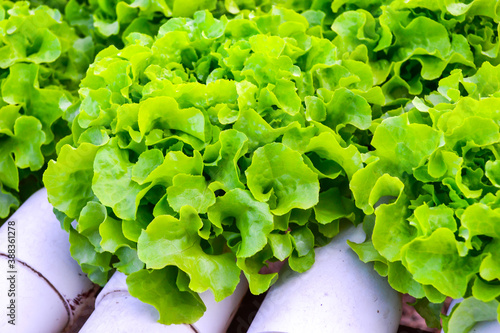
pixel 42 61
pixel 50 44
pixel 436 166
pixel 210 138
pixel 206 151
pixel 45 50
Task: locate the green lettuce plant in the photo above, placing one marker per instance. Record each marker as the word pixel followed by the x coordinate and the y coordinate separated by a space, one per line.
pixel 209 150
pixel 429 177
pixel 42 61
pixel 207 147
pixel 45 50
pixel 110 21
pixel 436 233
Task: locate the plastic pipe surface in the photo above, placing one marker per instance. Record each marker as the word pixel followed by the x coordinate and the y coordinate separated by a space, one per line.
pixel 48 285
pixel 338 294
pixel 117 312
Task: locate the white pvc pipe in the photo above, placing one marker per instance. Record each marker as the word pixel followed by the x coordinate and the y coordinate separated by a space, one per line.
pixel 48 286
pixel 481 327
pixel 117 312
pixel 338 294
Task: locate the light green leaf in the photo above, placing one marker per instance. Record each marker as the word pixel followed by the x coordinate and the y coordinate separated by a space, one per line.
pixel 27 143
pixel 112 182
pixel 175 162
pixel 428 219
pixel 435 260
pixel 479 219
pixel 188 190
pixel 397 140
pixel 346 107
pixel 490 265
pixel 95 264
pixel 168 241
pixel 7 202
pixel 332 206
pixel 253 219
pixel 129 262
pixel 469 312
pixel 278 174
pixel 281 244
pixel 225 169
pixel 159 288
pixel 164 112
pixel 303 240
pixel 69 179
pixel 112 236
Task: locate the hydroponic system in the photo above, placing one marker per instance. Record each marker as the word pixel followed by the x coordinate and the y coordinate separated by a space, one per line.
pixel 188 145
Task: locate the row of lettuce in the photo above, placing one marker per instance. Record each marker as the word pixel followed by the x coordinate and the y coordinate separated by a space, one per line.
pixel 238 133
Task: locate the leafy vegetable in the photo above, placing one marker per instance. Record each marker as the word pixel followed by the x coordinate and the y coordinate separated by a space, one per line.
pixel 242 133
pixel 42 61
pixel 442 223
pixel 197 144
pixel 45 50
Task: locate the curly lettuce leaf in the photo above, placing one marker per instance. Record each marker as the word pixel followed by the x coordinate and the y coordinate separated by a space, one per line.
pixel 169 241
